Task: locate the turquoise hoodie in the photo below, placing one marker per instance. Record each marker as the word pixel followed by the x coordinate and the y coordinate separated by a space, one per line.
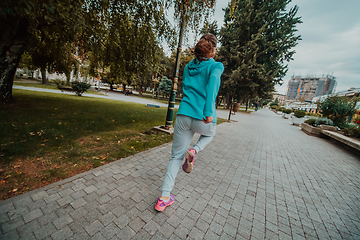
pixel 201 82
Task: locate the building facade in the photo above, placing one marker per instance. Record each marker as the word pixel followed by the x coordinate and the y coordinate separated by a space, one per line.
pixel 307 88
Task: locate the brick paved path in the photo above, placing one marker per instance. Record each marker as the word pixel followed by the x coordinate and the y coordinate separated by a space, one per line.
pixel 259 178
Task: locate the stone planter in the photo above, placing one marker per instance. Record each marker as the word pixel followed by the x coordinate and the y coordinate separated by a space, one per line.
pixel 297 121
pixel 329 128
pixel 310 130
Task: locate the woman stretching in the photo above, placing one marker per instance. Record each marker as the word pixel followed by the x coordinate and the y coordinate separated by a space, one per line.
pixel 197 114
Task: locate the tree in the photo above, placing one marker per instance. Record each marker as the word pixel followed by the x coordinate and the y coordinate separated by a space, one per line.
pixel 210 28
pixel 165 85
pixel 257 39
pixel 338 109
pixel 22 20
pixel 86 24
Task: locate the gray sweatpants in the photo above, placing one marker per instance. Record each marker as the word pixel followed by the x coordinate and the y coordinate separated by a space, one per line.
pixel 184 130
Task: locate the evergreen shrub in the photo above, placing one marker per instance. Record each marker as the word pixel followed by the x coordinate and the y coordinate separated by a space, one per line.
pixel 324 121
pixel 299 113
pixel 311 122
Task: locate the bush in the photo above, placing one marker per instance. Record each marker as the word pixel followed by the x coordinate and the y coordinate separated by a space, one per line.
pixel 313 114
pixel 80 87
pixel 280 109
pixel 324 121
pixel 311 121
pixel 299 113
pixel 287 111
pixel 59 83
pixel 352 131
pixel 273 106
pixel 338 109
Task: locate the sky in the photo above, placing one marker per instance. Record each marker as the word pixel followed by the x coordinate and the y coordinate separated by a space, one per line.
pixel 330 42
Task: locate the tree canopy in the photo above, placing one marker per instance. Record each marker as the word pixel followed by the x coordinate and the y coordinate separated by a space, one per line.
pixel 257 41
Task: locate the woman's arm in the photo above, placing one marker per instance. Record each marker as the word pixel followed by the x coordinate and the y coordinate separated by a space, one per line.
pixel 212 89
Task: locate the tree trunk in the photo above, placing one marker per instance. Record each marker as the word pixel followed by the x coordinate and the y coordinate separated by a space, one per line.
pixel 111 87
pixel 140 89
pixel 228 102
pixel 43 75
pixel 229 113
pixel 12 45
pixel 124 87
pixel 247 104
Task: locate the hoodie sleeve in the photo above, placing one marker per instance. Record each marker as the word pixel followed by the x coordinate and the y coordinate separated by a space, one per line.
pixel 212 88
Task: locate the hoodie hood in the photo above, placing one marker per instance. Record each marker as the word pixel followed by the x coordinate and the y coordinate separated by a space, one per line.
pixel 195 66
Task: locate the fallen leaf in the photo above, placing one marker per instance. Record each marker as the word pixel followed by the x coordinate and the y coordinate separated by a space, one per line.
pixel 15 189
pixel 132 147
pixel 60 123
pixel 17 166
pixel 7 176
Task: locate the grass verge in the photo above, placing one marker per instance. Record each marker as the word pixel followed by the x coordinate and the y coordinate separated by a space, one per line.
pixel 49 137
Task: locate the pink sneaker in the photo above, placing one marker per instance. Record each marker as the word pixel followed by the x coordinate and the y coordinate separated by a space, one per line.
pixel 189 161
pixel 161 204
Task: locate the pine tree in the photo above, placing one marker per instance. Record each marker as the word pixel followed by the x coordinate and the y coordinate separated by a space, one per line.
pixel 165 85
pixel 256 44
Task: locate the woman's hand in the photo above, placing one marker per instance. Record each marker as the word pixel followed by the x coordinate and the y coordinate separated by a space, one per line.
pixel 208 120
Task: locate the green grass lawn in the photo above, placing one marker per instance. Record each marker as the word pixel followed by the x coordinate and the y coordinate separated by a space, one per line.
pixel 60 135
pixel 48 137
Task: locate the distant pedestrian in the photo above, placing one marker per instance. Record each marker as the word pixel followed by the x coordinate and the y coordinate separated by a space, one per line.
pixel 197 114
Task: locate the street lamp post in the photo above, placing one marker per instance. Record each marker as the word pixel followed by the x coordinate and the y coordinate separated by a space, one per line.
pixel 170 112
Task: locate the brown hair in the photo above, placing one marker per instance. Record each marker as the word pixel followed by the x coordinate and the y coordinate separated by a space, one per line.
pixel 205 47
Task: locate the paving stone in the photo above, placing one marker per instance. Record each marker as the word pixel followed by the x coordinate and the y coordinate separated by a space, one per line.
pixel 28 228
pixel 18 212
pixel 12 234
pixel 63 233
pixel 174 221
pixel 166 229
pixel 126 233
pixel 136 224
pixel 94 227
pixel 211 235
pixel 215 227
pixel 12 224
pixel 110 231
pixel 61 222
pixel 81 235
pixel 122 221
pixel 45 231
